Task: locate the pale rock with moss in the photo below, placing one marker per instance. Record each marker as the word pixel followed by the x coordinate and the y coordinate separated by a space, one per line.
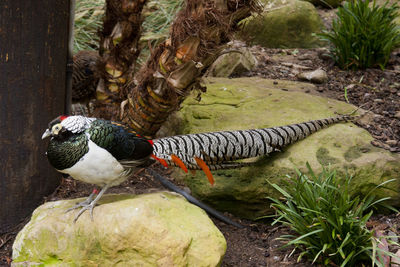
pixel 235 60
pixel 159 229
pixel 248 103
pixel 284 24
pixel 316 76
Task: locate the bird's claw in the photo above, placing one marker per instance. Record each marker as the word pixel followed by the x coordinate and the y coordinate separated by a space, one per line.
pixel 88 204
pixel 84 208
pixel 79 205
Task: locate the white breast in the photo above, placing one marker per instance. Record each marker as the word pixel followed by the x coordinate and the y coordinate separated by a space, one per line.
pixel 97 167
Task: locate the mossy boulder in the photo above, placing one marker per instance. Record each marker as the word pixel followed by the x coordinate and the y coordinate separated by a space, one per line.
pixel 246 103
pixel 284 24
pixel 159 229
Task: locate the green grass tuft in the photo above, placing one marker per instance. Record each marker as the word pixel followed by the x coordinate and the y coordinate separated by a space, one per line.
pixel 363 35
pixel 88 20
pixel 330 223
pixel 158 18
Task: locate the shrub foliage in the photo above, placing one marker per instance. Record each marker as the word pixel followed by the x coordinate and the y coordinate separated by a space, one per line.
pixel 330 223
pixel 363 35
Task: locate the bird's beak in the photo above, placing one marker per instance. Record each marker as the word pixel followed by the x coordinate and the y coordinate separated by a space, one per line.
pixel 46 134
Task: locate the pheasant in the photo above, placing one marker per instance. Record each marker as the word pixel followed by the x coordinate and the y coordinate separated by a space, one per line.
pixel 95 151
pixel 106 153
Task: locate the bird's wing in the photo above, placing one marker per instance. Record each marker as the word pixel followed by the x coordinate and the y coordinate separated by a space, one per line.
pixel 120 141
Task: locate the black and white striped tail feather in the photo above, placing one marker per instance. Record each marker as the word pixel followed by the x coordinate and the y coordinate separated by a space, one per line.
pixel 213 166
pixel 219 150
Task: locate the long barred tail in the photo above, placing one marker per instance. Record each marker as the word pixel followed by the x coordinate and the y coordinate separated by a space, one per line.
pixel 219 150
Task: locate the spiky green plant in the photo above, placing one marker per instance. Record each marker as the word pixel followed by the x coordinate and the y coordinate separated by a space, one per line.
pixel 363 35
pixel 330 223
pixel 158 17
pixel 88 20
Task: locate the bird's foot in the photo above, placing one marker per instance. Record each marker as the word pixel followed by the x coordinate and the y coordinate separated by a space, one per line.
pixel 87 204
pixel 79 205
pixel 89 207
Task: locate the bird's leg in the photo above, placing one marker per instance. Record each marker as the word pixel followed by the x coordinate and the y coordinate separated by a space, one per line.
pixel 85 202
pixel 90 206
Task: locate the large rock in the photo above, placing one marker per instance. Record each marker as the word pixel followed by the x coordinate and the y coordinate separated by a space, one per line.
pixel 160 229
pixel 247 103
pixel 286 24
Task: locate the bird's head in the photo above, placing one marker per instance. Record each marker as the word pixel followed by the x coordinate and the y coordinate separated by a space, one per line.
pixel 55 127
pixel 67 125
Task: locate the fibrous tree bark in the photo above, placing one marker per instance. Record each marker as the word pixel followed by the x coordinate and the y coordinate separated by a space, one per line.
pixel 119 50
pixel 198 34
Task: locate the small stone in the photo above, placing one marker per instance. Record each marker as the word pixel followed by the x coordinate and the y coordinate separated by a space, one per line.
pixel 316 76
pixel 396 261
pixel 275 82
pixel 393 236
pixel 397 115
pixel 305 57
pixel 391 142
pixel 233 63
pixel 378 100
pixel 325 56
pixel 351 86
pixel 277 258
pixel 380 144
pixel 187 190
pixel 324 53
pixel 307 62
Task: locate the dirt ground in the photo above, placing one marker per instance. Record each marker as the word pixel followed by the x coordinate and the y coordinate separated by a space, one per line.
pixel 256 244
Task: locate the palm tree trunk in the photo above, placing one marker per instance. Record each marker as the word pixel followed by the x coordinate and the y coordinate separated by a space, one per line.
pixel 119 50
pixel 198 34
pixel 200 31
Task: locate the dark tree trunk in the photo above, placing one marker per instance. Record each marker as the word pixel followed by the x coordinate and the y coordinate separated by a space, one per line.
pixel 33 57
